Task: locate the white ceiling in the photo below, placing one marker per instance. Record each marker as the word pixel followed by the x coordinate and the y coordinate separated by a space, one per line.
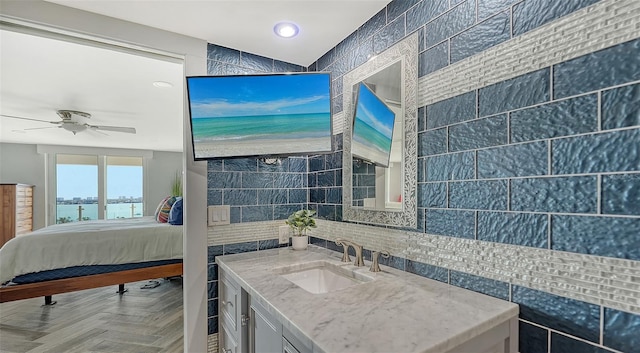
pixel 41 75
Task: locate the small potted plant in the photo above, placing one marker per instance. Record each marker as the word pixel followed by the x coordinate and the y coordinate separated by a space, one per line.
pixel 300 221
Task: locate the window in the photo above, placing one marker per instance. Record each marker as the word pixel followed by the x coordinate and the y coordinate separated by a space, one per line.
pixel 80 197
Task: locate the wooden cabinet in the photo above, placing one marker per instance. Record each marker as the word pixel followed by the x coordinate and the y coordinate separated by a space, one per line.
pixel 16 215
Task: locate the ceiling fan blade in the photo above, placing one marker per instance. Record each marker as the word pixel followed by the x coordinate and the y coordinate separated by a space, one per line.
pixel 128 130
pixel 23 118
pixel 39 128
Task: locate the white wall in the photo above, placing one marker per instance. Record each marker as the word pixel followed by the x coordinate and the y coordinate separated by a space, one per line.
pixel 53 16
pixel 22 164
pixel 159 175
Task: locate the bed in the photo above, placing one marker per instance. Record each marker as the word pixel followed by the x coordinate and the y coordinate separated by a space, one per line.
pixel 82 255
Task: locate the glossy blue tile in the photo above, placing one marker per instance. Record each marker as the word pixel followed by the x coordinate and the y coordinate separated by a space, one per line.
pixel 518 92
pixel 563 194
pixel 251 180
pixel 282 66
pixel 564 344
pixel 533 339
pixel 336 105
pixel 421 220
pixel 336 86
pixel 212 307
pixel 280 165
pixel 621 330
pixel 432 142
pixel 214 197
pixel 531 14
pixel 602 236
pixel 337 142
pixel 487 8
pixel 236 197
pixel 568 117
pixel 361 54
pixel 212 272
pixel 297 165
pixel 212 325
pixel 372 25
pixel 318 241
pixel 240 165
pixel 223 180
pixel 312 68
pixel 297 196
pixel 429 271
pixel 460 224
pixel 317 195
pixel 272 196
pixel 212 252
pixel 327 212
pixel 421 40
pixel 621 194
pixel 481 133
pixel 256 62
pixel 453 110
pixel 479 284
pixel 268 244
pixel 257 213
pixel 454 166
pixel 238 248
pixel 214 165
pixel 422 121
pixel 602 69
pixel 289 180
pixel 223 54
pixel 424 12
pixel 334 195
pixel 393 261
pixel 388 35
pixel 481 37
pixel 316 163
pixel 433 59
pixel 513 161
pixel 333 160
pixel 327 178
pixel 312 180
pixel 212 289
pixel 454 21
pixel 621 107
pixel 283 211
pixel 483 195
pixel 597 153
pixel 326 59
pixel 571 316
pixel 347 45
pixel 422 176
pixel 432 195
pixel 525 229
pixel 236 214
pixel 396 8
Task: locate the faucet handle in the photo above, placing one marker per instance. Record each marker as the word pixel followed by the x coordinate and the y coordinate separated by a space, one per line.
pixel 345 248
pixel 375 267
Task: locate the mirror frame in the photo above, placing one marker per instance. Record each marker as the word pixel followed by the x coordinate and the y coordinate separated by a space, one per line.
pixel 405 51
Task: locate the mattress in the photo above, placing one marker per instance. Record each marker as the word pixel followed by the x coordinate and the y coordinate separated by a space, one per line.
pixel 88 243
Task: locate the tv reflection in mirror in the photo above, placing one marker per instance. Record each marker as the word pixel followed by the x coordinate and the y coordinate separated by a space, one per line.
pixel 372 127
pixel 259 115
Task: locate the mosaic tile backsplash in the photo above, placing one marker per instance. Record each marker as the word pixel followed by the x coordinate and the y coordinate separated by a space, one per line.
pixel 528 156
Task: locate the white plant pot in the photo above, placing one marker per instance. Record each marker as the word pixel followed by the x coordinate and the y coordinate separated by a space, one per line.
pixel 300 243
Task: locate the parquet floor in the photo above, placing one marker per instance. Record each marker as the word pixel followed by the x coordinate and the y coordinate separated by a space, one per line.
pixel 97 320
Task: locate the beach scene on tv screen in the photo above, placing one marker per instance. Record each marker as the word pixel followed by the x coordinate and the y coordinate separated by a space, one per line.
pixel 372 128
pixel 260 115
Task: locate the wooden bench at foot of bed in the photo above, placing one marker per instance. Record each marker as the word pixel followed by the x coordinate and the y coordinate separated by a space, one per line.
pixel 65 285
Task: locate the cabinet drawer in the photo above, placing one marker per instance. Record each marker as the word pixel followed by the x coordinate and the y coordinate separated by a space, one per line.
pixel 229 302
pixel 229 344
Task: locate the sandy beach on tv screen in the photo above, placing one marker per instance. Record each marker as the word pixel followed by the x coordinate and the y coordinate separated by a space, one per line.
pixel 230 148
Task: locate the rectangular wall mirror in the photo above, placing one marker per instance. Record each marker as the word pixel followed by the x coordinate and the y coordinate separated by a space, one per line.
pixel 380 138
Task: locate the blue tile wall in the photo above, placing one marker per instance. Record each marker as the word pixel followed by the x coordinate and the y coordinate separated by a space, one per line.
pixel 424 12
pixel 450 111
pixel 460 224
pixel 525 229
pixel 432 142
pixel 602 69
pixel 433 59
pixel 454 21
pixel 562 344
pixel 518 92
pixel 576 194
pixel 432 195
pixel 483 285
pixel 479 195
pixel 574 317
pixel 568 117
pixel 531 14
pixel 621 330
pixel 429 271
pixel 455 166
pixel 603 236
pixel 520 160
pixel 484 35
pixel 487 8
pixel 621 107
pixel 621 194
pixel 390 34
pixel 533 339
pixel 480 133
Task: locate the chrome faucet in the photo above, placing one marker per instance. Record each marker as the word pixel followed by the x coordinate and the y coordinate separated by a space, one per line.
pixel 357 248
pixel 374 260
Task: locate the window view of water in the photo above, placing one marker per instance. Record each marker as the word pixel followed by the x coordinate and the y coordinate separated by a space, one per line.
pixel 70 213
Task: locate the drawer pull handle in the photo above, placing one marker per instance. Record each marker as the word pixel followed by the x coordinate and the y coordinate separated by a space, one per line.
pixel 228 302
pixel 226 350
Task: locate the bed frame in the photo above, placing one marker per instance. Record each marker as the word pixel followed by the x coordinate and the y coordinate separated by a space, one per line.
pixel 48 288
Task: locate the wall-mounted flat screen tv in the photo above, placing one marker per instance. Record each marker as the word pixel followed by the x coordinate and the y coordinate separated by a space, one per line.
pixel 372 128
pixel 259 115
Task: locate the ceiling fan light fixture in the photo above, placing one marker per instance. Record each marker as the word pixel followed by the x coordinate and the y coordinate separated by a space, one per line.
pixel 74 128
pixel 286 29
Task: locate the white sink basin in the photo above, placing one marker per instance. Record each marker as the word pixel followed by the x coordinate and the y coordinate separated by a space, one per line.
pixel 322 277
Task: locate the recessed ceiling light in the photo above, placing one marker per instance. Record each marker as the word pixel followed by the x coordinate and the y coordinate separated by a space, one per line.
pixel 162 84
pixel 286 29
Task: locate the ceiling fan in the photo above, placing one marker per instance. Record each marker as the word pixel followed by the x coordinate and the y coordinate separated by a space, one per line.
pixel 74 126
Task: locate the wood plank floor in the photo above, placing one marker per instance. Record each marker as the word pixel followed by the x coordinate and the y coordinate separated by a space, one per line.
pixel 97 320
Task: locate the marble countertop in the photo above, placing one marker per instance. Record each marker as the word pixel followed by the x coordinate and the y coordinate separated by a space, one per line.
pixel 395 312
